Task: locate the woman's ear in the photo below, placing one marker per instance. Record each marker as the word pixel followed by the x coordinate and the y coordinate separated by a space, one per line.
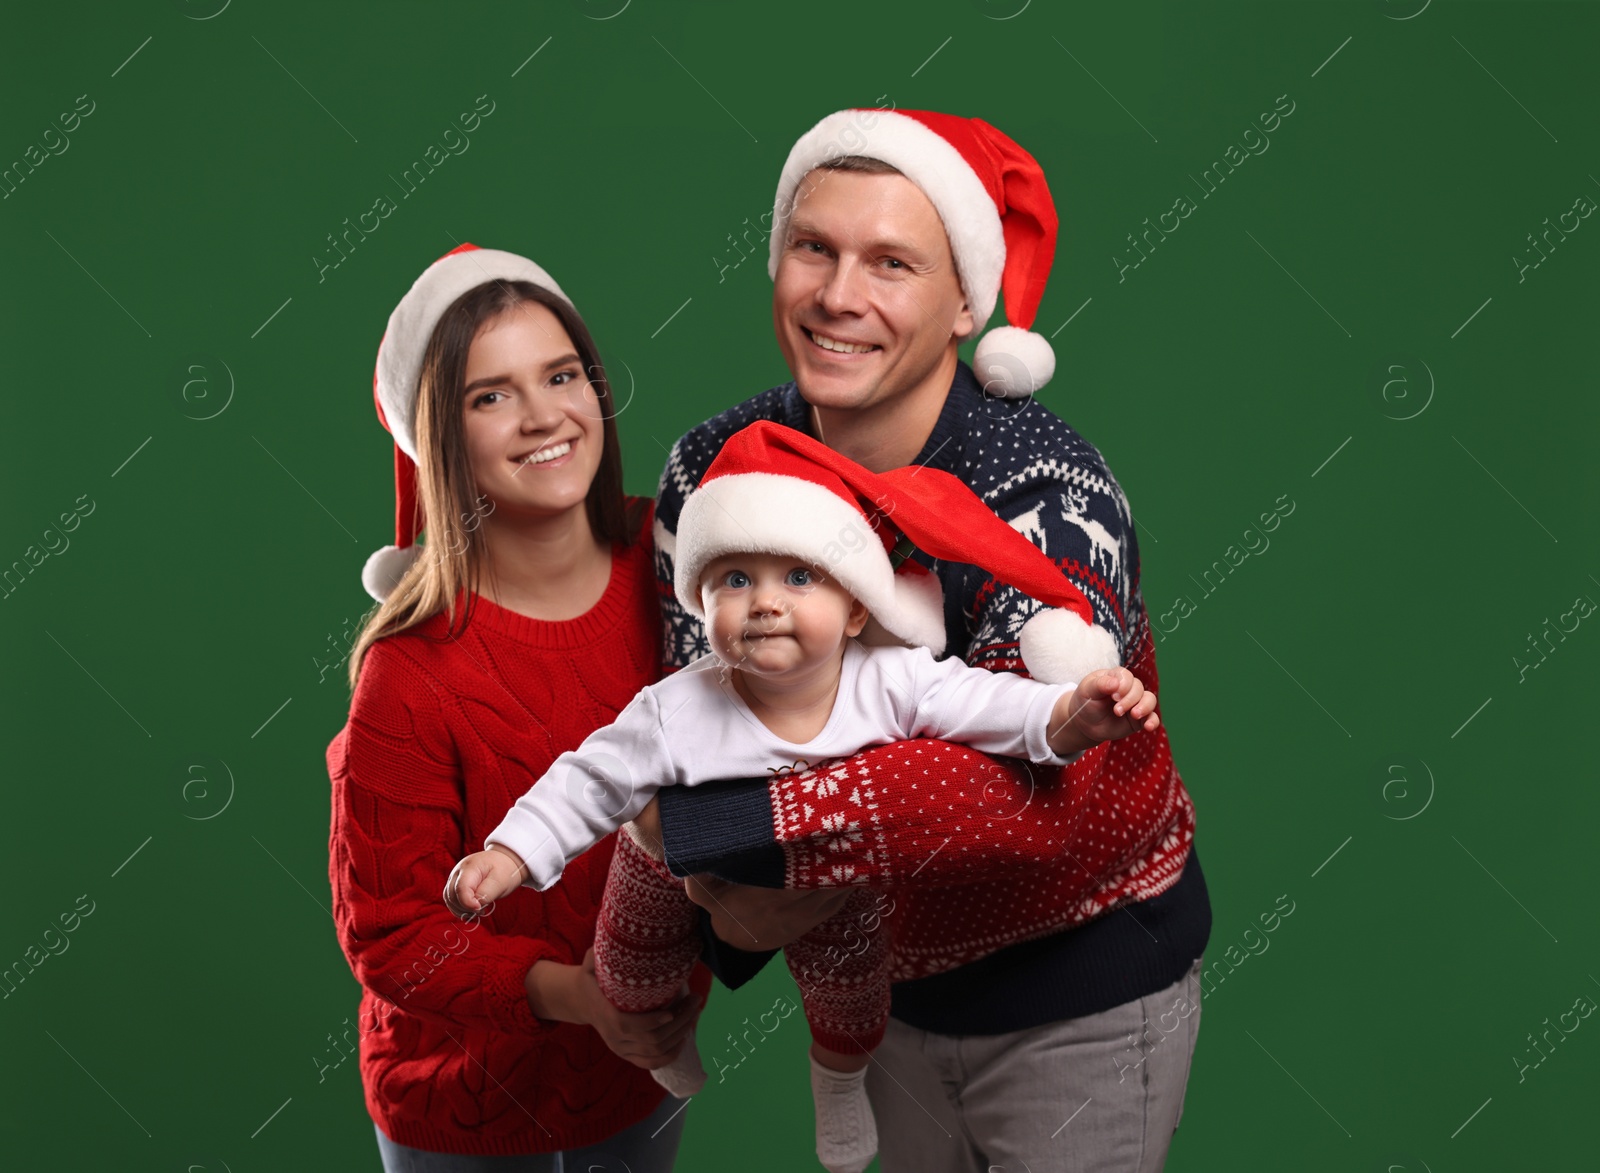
pixel 857 619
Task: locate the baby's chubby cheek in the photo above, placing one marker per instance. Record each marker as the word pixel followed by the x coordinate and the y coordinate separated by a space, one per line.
pixel 723 633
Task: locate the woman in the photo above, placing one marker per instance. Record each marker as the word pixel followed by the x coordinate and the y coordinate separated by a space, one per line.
pixel 528 620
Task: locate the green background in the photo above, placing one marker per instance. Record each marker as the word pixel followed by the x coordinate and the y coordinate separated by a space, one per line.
pixel 1243 361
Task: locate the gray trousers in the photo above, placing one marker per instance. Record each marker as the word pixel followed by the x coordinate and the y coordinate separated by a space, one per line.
pixel 650 1146
pixel 1099 1094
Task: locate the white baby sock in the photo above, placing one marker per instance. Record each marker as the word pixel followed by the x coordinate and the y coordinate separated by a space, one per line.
pixel 847 1135
pixel 684 1076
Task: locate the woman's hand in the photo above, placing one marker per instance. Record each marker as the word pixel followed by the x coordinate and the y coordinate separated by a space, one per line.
pixel 758 919
pixel 570 993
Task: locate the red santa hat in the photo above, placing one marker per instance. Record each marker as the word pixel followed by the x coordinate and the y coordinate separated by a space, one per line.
pixel 996 209
pixel 774 490
pixel 397 376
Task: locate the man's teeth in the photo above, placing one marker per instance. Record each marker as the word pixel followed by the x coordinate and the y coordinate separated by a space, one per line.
pixel 545 454
pixel 827 343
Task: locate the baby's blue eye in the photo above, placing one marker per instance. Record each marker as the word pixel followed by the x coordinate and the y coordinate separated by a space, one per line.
pixel 799 577
pixel 738 578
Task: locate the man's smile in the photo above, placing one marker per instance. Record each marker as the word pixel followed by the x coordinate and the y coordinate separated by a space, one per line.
pixel 840 346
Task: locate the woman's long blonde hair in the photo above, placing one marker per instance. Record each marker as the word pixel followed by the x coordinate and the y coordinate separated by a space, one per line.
pixel 447 495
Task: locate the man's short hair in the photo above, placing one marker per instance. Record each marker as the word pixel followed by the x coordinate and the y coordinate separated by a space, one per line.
pixel 860 164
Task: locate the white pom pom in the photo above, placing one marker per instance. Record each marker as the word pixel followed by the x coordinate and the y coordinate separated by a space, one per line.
pixel 386 568
pixel 1060 648
pixel 1013 363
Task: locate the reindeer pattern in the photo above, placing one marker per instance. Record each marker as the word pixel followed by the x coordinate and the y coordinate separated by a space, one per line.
pixel 1042 525
pixel 1106 554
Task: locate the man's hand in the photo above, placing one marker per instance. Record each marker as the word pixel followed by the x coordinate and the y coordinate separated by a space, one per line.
pixel 748 918
pixel 1108 704
pixel 758 919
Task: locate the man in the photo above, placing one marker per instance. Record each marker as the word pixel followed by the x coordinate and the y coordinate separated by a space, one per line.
pixel 894 232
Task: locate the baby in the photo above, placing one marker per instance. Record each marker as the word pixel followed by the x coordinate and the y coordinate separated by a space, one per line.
pixel 784 552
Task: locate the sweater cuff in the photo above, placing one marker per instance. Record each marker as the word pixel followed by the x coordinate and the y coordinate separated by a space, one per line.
pixel 526 836
pixel 505 991
pixel 1036 726
pixel 724 828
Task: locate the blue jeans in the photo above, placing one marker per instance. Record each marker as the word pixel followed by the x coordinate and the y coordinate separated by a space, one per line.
pixel 650 1146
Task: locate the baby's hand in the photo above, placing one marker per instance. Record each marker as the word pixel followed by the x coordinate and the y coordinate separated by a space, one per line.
pixel 1107 704
pixel 481 879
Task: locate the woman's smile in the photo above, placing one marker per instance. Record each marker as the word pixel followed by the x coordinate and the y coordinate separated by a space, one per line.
pixel 550 456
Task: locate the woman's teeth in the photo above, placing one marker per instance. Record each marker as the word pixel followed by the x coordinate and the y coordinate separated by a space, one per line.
pixel 545 454
pixel 827 343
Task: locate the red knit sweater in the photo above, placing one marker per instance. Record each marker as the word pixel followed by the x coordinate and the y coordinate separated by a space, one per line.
pixel 444 734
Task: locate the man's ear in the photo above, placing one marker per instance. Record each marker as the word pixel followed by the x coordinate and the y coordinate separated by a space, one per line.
pixel 965 325
pixel 857 620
